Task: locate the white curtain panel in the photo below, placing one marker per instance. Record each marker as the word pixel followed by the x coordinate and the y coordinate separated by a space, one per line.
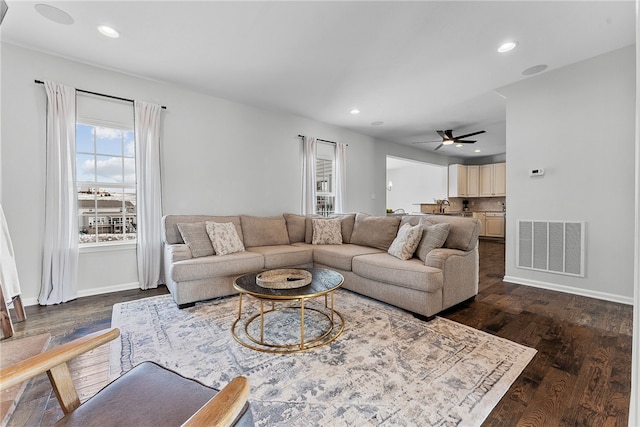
pixel 149 193
pixel 309 176
pixel 341 176
pixel 60 253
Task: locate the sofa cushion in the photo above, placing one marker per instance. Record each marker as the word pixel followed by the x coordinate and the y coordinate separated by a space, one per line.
pixel 433 237
pixel 283 255
pixel 347 222
pixel 411 273
pixel 406 242
pixel 346 226
pixel 340 256
pixel 463 232
pixel 216 266
pixel 224 238
pixel 375 231
pixel 326 231
pixel 295 227
pixel 171 234
pixel 264 231
pixel 195 236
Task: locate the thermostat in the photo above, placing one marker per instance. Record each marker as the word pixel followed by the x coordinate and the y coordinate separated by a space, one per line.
pixel 536 172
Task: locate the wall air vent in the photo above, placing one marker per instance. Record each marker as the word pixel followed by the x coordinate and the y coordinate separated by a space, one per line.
pixel 552 246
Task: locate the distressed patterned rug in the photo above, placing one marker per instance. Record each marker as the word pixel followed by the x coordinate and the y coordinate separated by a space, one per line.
pixel 387 368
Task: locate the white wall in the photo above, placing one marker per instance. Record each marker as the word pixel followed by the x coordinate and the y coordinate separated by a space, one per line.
pixel 218 157
pixel 415 183
pixel 577 123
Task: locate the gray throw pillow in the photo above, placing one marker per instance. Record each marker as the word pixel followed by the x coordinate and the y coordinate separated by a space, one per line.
pixel 195 235
pixel 433 236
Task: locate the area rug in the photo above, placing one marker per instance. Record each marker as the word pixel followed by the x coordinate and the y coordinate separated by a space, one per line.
pixel 387 368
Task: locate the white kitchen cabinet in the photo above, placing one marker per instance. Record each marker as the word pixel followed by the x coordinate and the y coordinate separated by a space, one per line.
pixel 493 180
pixel 494 224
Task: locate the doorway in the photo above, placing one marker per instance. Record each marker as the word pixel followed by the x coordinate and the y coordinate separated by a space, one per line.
pixel 411 182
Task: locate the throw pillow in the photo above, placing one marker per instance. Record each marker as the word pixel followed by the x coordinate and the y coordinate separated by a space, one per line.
pixel 224 237
pixel 375 231
pixel 326 232
pixel 195 236
pixel 406 242
pixel 346 224
pixel 433 236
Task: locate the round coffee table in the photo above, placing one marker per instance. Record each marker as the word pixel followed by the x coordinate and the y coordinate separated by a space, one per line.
pixel 326 323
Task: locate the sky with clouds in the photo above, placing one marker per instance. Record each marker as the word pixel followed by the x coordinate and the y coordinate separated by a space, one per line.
pixel 114 161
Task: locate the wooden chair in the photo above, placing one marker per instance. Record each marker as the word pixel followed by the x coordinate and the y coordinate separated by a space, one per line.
pixel 146 395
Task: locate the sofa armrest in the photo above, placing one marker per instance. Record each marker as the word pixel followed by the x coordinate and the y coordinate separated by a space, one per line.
pixel 437 258
pixel 460 273
pixel 177 252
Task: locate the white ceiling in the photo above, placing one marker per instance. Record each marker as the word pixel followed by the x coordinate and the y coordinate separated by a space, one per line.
pixel 418 66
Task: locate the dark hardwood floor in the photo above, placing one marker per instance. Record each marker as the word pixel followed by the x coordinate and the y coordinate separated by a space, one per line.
pixel 579 377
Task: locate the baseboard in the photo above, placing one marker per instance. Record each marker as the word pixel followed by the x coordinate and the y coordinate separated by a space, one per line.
pixel 90 292
pixel 570 290
pixel 108 289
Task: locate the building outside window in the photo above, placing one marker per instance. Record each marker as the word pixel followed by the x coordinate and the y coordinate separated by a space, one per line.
pixel 106 183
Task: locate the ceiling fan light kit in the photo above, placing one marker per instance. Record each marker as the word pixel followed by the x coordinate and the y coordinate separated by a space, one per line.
pixel 448 138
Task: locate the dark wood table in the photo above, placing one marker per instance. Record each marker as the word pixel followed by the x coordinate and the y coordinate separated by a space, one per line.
pixel 324 283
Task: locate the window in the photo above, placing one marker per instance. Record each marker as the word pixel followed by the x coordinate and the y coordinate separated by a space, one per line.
pixel 106 183
pixel 325 178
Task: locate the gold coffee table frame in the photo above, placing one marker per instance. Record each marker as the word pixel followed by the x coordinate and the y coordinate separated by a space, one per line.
pixel 324 282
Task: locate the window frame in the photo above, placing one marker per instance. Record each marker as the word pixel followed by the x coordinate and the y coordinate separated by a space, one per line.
pixel 326 200
pixel 98 186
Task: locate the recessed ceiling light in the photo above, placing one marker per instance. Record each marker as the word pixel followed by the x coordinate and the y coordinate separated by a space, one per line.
pixel 355 111
pixel 507 47
pixel 458 145
pixel 377 123
pixel 108 31
pixel 534 70
pixel 54 14
pixel 477 151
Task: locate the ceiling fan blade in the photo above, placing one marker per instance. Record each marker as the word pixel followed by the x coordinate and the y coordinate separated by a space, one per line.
pixel 470 134
pixel 458 141
pixel 448 134
pixel 442 134
pixel 438 147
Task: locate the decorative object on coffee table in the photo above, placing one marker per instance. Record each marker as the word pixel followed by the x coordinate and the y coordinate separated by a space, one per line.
pixel 318 325
pixel 284 278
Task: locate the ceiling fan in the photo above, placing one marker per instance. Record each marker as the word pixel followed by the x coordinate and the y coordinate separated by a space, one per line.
pixel 448 138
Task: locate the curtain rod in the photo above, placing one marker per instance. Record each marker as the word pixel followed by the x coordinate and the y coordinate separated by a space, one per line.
pixel 100 94
pixel 323 140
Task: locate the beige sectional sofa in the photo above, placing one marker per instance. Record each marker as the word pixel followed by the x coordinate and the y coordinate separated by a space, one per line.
pixel 432 280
